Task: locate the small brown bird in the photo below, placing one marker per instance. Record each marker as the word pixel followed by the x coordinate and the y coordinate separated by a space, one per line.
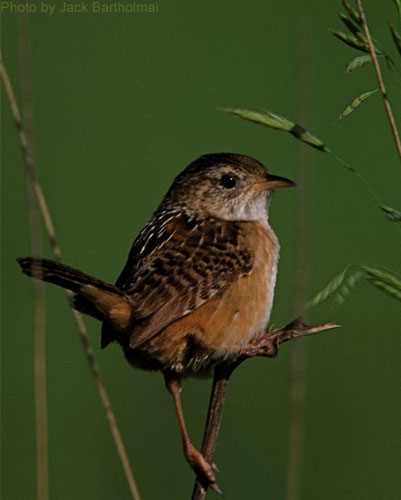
pixel 198 284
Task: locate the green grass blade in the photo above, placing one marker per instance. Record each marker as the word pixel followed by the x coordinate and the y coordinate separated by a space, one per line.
pixel 384 280
pixel 279 122
pixel 339 288
pixel 327 291
pixel 383 275
pixel 305 136
pixel 350 40
pixel 396 37
pixel 348 167
pixel 390 290
pixel 356 103
pixel 398 6
pixel 353 28
pixel 266 118
pixel 342 285
pixel 392 214
pixel 358 62
pixel 353 13
pixel 345 290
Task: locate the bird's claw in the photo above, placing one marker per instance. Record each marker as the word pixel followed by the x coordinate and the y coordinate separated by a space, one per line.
pixel 202 468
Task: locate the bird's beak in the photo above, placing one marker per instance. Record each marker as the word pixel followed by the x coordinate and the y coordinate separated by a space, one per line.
pixel 273 182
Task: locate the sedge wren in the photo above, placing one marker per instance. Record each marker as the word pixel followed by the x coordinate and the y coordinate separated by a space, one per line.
pixel 198 284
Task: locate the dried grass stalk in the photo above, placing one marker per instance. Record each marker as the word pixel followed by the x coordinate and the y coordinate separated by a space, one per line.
pixel 45 213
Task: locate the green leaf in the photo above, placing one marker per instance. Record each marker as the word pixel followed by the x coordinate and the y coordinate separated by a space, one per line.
pixel 356 103
pixel 328 290
pixel 353 13
pixel 398 5
pixel 390 290
pixel 354 29
pixel 266 118
pixel 339 287
pixel 352 41
pixel 308 138
pixel 358 62
pixel 396 37
pixel 342 285
pixel 383 275
pixel 279 122
pixel 392 214
pixel 385 280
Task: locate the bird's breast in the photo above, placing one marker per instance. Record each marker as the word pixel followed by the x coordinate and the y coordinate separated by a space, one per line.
pixel 217 329
pixel 248 301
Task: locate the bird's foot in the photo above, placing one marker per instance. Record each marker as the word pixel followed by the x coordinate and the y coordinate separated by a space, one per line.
pixel 202 468
pixel 260 346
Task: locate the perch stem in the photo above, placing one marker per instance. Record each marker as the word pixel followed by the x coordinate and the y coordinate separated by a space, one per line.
pixel 266 346
pixel 214 415
pixel 380 80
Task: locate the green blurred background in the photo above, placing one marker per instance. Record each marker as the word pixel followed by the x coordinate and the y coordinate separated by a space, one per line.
pixel 122 102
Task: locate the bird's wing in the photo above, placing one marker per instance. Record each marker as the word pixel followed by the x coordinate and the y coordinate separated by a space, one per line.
pixel 176 265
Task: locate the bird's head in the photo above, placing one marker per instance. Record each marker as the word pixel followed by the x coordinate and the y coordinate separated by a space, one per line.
pixel 227 186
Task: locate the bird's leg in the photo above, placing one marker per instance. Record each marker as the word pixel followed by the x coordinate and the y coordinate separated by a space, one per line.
pixel 195 459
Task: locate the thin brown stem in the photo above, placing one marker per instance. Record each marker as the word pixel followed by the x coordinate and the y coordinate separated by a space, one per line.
pixel 296 427
pixel 380 80
pixel 298 357
pixel 111 418
pixel 40 378
pixel 51 233
pixel 214 415
pixel 266 346
pixel 39 296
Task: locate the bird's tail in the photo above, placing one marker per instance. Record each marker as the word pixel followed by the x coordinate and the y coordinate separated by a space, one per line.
pixel 92 296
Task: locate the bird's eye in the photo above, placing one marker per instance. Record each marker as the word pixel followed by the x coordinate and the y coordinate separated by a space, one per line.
pixel 228 181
